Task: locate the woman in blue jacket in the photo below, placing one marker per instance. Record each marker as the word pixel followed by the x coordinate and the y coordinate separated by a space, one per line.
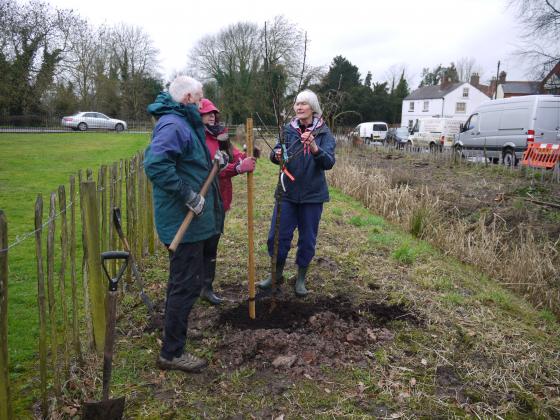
pixel 309 146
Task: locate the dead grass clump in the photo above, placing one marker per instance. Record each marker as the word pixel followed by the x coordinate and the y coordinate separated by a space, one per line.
pixel 529 266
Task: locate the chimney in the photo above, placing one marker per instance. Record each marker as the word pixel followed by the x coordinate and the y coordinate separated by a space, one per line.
pixel 475 79
pixel 502 78
pixel 444 81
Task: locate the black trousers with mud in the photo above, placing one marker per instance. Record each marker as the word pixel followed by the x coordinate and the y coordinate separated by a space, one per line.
pixel 186 270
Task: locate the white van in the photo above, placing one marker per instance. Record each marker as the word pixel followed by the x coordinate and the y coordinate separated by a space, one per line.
pixel 503 127
pixel 371 131
pixel 434 133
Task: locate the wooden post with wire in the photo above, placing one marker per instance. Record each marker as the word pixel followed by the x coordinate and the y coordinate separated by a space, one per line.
pixel 250 224
pixel 5 402
pixel 42 304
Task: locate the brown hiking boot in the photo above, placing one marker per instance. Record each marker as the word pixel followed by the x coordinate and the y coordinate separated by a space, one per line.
pixel 187 363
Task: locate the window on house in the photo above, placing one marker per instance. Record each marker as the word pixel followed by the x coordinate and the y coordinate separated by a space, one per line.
pixel 465 92
pixel 460 107
pixel 411 107
pixel 426 107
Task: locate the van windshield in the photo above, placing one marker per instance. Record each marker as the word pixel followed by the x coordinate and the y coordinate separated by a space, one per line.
pixel 379 127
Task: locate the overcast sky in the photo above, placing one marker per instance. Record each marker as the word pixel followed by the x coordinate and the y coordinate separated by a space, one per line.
pixel 373 35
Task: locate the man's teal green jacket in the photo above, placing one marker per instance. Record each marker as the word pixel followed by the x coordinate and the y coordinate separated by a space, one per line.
pixel 178 162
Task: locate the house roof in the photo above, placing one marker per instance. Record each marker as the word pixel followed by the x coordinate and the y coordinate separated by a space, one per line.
pixel 521 88
pixel 432 92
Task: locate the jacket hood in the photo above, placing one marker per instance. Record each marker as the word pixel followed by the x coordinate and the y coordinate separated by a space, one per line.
pixel 165 105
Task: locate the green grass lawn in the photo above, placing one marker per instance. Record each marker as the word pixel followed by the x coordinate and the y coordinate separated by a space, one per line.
pixel 32 164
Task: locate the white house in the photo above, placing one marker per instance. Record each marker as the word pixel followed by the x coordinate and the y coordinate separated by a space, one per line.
pixel 454 100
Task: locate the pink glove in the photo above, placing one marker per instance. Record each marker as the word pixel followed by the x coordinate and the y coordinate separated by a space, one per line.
pixel 246 165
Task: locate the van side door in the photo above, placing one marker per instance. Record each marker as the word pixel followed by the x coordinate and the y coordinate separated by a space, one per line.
pixel 471 132
pixel 512 130
pixel 489 136
pixel 547 122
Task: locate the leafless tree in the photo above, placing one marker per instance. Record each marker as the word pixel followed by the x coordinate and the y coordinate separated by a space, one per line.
pixel 87 58
pixel 466 67
pixel 33 40
pixel 133 53
pixel 393 74
pixel 133 49
pixel 541 22
pixel 236 57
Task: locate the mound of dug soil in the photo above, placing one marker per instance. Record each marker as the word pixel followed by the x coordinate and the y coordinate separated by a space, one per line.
pixel 301 336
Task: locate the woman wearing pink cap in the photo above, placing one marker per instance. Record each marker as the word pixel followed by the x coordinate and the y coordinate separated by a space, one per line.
pixel 217 139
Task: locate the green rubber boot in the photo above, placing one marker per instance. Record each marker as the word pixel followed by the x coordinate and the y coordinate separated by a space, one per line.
pixel 299 287
pixel 267 282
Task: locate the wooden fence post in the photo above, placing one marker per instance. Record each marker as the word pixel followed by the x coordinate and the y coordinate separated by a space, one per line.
pixel 5 401
pixel 42 303
pixel 51 294
pixel 127 195
pixel 112 204
pixel 141 209
pixel 85 287
pixel 134 210
pixel 250 224
pixel 62 276
pixel 150 218
pixel 90 226
pixel 102 186
pixel 73 276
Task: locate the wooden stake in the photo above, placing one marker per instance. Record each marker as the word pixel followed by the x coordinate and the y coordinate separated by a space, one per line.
pixel 62 276
pixel 95 284
pixel 250 224
pixel 42 303
pixel 5 401
pixel 73 273
pixel 51 295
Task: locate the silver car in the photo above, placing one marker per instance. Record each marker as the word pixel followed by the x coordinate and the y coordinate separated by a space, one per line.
pixel 84 121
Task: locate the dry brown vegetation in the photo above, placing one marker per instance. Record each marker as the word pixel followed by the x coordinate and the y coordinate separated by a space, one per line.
pixel 519 255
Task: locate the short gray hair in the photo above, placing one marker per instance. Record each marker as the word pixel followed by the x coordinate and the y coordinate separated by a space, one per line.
pixel 310 98
pixel 183 85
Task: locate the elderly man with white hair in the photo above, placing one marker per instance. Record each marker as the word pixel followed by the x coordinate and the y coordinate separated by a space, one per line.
pixel 177 162
pixel 309 147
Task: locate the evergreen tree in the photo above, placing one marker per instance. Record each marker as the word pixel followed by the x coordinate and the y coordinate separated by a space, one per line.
pixel 367 81
pixel 342 73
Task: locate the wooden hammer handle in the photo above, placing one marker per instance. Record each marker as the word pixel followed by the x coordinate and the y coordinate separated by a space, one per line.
pixel 188 218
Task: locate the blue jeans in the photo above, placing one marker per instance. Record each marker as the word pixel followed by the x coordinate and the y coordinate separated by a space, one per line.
pixel 305 217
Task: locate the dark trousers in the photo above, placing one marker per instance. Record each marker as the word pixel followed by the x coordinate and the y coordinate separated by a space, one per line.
pixel 304 217
pixel 186 270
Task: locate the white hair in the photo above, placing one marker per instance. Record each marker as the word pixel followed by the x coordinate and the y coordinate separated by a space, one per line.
pixel 183 85
pixel 311 99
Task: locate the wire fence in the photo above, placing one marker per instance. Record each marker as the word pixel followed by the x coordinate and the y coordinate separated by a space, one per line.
pixel 71 301
pixel 50 124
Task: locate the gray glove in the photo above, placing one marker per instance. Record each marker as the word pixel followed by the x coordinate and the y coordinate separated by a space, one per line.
pixel 195 202
pixel 222 158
